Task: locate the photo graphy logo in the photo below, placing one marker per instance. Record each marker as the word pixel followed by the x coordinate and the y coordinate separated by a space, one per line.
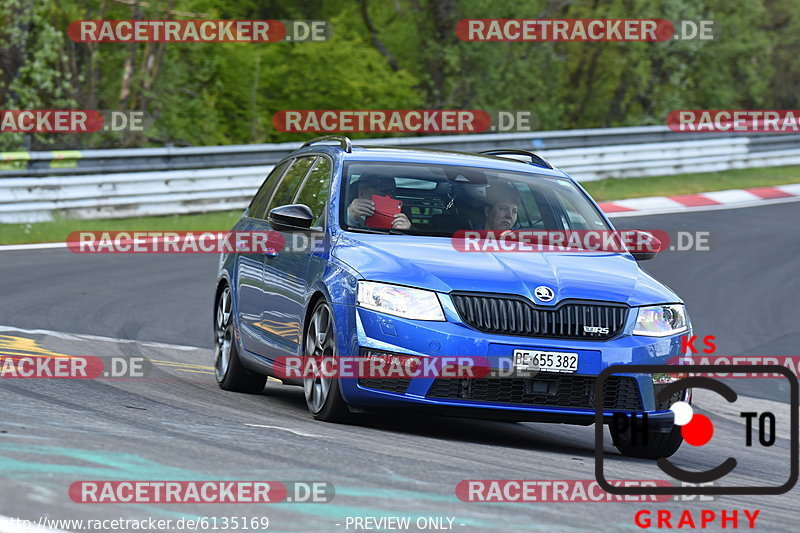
pixel 698 430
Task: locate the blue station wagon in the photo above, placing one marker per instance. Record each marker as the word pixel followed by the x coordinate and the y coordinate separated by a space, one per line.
pixel 382 277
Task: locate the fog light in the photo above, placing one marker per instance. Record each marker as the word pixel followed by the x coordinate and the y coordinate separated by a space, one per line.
pixel 664 378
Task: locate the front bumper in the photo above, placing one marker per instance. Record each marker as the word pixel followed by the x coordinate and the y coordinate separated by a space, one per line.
pixel 548 397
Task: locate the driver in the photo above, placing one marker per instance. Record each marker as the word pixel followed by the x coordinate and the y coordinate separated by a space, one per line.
pixel 363 206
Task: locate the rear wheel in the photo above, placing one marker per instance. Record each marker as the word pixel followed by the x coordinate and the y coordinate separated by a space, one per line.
pixel 230 373
pixel 323 398
pixel 658 444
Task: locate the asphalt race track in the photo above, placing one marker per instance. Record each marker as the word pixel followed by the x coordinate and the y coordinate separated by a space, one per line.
pixel 176 424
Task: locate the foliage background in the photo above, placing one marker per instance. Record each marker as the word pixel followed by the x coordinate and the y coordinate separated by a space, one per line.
pixel 387 54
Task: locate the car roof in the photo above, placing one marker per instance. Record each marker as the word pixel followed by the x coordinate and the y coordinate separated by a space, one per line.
pixel 392 154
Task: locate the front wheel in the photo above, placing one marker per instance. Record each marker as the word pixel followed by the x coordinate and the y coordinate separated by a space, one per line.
pixel 323 398
pixel 230 373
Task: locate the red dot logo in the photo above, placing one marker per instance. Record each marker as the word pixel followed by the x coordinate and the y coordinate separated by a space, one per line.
pixel 696 429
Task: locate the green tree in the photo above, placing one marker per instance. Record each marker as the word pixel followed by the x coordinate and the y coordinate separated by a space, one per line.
pixel 34 69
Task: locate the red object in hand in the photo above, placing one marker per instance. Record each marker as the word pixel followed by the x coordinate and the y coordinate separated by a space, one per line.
pixel 386 208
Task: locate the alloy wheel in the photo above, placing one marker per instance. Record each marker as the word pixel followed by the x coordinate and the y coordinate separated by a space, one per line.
pixel 319 344
pixel 223 335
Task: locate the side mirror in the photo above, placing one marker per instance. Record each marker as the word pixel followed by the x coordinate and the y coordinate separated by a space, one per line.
pixel 645 245
pixel 291 217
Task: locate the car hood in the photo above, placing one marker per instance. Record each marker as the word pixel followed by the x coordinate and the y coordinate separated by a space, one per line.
pixel 433 263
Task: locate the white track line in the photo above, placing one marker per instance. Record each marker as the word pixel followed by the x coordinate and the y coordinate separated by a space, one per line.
pixel 294 431
pixel 793 188
pixel 732 196
pixel 34 246
pixel 83 336
pixel 653 203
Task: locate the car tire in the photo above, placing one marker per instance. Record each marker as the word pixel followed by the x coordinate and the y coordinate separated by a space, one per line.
pixel 230 373
pixel 658 444
pixel 323 396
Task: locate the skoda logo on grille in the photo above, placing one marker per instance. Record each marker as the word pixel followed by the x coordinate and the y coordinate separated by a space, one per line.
pixel 543 293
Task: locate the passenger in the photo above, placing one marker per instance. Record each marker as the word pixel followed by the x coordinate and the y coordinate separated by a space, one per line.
pixel 363 206
pixel 502 207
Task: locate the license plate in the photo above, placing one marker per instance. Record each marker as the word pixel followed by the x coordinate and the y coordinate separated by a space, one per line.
pixel 545 361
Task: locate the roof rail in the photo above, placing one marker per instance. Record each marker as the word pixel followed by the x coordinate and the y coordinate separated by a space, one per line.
pixel 535 159
pixel 343 141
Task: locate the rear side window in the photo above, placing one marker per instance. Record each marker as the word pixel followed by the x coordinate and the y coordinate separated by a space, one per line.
pixel 315 190
pixel 291 181
pixel 258 205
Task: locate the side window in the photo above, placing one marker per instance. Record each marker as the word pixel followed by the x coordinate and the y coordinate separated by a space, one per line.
pixel 259 203
pixel 575 219
pixel 529 215
pixel 315 190
pixel 291 181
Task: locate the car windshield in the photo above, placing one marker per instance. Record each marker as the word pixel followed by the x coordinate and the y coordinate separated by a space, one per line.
pixel 438 200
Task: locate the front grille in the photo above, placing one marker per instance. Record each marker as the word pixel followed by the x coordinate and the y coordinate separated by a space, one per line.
pixel 508 315
pixel 398 385
pixel 619 392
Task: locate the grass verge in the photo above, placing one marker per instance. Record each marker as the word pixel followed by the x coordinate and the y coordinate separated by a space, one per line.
pixel 58 230
pixel 620 189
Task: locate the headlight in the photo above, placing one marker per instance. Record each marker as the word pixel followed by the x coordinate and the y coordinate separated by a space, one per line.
pixel 416 304
pixel 660 320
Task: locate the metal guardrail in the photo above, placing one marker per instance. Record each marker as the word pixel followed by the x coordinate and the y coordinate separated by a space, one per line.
pixel 179 158
pixel 34 186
